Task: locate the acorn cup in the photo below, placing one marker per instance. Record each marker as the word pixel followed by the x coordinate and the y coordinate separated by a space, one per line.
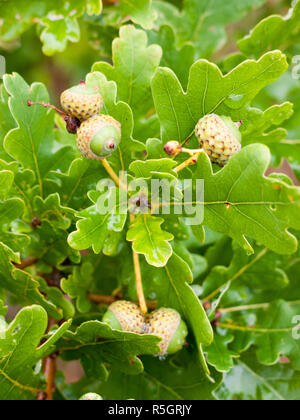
pixel 82 101
pixel 219 137
pixel 125 316
pixel 167 324
pixel 98 137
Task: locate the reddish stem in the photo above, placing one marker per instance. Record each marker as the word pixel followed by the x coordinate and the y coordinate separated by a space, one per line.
pixel 44 104
pixel 49 369
pixel 50 373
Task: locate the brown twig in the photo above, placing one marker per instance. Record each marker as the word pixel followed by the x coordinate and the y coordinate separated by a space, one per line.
pixel 107 300
pixel 27 262
pixel 53 279
pixel 50 373
pixel 49 369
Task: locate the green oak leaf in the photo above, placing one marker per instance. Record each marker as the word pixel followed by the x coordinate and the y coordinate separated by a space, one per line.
pixel 209 91
pixel 6 181
pixel 77 285
pixel 175 292
pixel 139 11
pixel 150 240
pixel 231 61
pixel 272 32
pixel 82 176
pixel 219 252
pixel 285 87
pixel 147 127
pixel 59 29
pixel 178 378
pixel 292 291
pixel 7 121
pixel 250 381
pixel 22 285
pixel 10 210
pixel 53 212
pixel 13 25
pixel 73 392
pixel 58 24
pixel 50 245
pixel 31 143
pixel 20 352
pixel 218 354
pixel 177 59
pixel 154 177
pixel 261 271
pixel 203 23
pixel 134 63
pixel 273 331
pixel 261 130
pixel 159 168
pixel 177 228
pixel 263 212
pixel 94 227
pixel 257 279
pixel 56 297
pixel 95 342
pixel 155 149
pixel 271 345
pixel 197 263
pixel 114 243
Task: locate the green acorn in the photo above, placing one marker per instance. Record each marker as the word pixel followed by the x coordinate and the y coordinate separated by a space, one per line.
pixel 91 396
pixel 98 137
pixel 125 316
pixel 167 324
pixel 82 101
pixel 219 137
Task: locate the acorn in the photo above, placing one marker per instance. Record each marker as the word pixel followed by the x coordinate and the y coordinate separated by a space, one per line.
pixel 173 148
pixel 219 136
pixel 125 316
pixel 82 101
pixel 91 396
pixel 98 137
pixel 167 324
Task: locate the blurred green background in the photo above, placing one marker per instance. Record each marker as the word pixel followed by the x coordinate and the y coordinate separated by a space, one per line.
pixel 24 54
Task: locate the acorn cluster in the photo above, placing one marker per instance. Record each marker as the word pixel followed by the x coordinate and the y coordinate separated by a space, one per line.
pixel 98 135
pixel 165 323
